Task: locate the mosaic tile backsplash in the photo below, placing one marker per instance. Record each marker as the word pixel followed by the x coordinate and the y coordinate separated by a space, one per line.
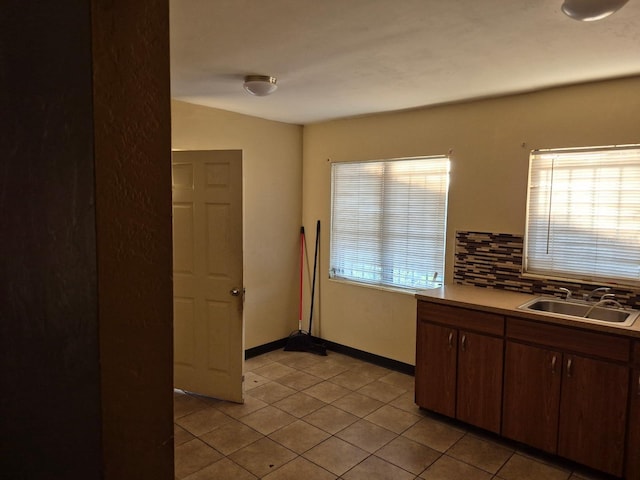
pixel 494 260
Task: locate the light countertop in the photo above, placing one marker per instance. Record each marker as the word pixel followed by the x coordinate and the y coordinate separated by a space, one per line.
pixel 505 302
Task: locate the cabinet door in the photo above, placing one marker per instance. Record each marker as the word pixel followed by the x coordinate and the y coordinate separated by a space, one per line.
pixel 532 378
pixel 479 398
pixel 633 445
pixel 436 368
pixel 593 413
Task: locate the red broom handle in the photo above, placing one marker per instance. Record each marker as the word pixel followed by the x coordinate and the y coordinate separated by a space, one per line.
pixel 301 270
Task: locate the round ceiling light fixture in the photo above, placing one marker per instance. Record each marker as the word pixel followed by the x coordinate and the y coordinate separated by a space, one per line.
pixel 260 85
pixel 591 10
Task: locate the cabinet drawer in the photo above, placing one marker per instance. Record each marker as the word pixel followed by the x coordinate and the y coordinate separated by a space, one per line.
pixel 570 339
pixel 457 317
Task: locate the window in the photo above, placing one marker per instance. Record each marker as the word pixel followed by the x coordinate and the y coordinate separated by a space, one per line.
pixel 583 214
pixel 388 221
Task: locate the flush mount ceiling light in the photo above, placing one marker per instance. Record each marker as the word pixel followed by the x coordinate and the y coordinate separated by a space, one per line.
pixel 260 85
pixel 590 10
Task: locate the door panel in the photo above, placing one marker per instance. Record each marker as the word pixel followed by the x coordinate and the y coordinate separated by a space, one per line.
pixel 207 225
pixel 219 320
pixel 531 406
pixel 183 237
pixel 480 380
pixel 184 333
pixel 593 413
pixel 436 368
pixel 633 443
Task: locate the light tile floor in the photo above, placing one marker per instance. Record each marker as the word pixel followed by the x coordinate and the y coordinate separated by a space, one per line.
pixel 310 417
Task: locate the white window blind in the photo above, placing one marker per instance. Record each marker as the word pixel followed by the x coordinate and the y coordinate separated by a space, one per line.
pixel 583 214
pixel 388 221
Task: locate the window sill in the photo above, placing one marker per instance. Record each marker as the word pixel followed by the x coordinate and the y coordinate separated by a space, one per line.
pixel 386 288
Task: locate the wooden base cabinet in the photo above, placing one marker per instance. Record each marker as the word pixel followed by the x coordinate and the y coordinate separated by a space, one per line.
pixel 563 402
pixel 633 444
pixel 566 404
pixel 568 391
pixel 633 436
pixel 458 367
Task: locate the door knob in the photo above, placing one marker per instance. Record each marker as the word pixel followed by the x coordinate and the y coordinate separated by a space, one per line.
pixel 235 292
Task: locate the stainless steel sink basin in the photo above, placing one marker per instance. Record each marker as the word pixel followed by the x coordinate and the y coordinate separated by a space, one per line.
pixel 581 311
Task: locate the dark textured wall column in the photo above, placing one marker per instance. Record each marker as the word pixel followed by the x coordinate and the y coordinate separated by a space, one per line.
pixel 50 425
pixel 85 241
pixel 133 205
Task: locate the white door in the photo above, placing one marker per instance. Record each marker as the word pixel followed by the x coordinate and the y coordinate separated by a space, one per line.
pixel 207 273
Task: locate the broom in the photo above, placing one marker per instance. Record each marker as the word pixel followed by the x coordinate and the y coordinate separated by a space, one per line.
pixel 317 348
pixel 299 340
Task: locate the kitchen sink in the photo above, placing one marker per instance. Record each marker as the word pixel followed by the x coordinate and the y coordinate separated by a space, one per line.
pixel 582 311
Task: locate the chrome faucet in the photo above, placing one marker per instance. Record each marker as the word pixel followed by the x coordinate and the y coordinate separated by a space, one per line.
pixel 593 293
pixel 604 301
pixel 565 291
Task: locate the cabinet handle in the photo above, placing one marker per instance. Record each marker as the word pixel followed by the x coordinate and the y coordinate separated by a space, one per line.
pixel 569 363
pixel 450 340
pixel 639 385
pixel 553 365
pixel 464 343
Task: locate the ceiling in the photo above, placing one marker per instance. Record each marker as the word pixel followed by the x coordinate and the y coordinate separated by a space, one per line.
pixel 342 58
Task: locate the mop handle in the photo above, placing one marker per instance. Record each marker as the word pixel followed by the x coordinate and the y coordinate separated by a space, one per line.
pixel 313 282
pixel 301 269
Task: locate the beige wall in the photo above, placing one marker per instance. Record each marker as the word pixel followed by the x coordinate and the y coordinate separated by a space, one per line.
pixel 272 172
pixel 489 143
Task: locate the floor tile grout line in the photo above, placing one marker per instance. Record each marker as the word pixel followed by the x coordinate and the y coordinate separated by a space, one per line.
pixel 349 387
pixel 306 459
pixel 470 464
pixel 370 454
pixel 334 435
pixel 357 390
